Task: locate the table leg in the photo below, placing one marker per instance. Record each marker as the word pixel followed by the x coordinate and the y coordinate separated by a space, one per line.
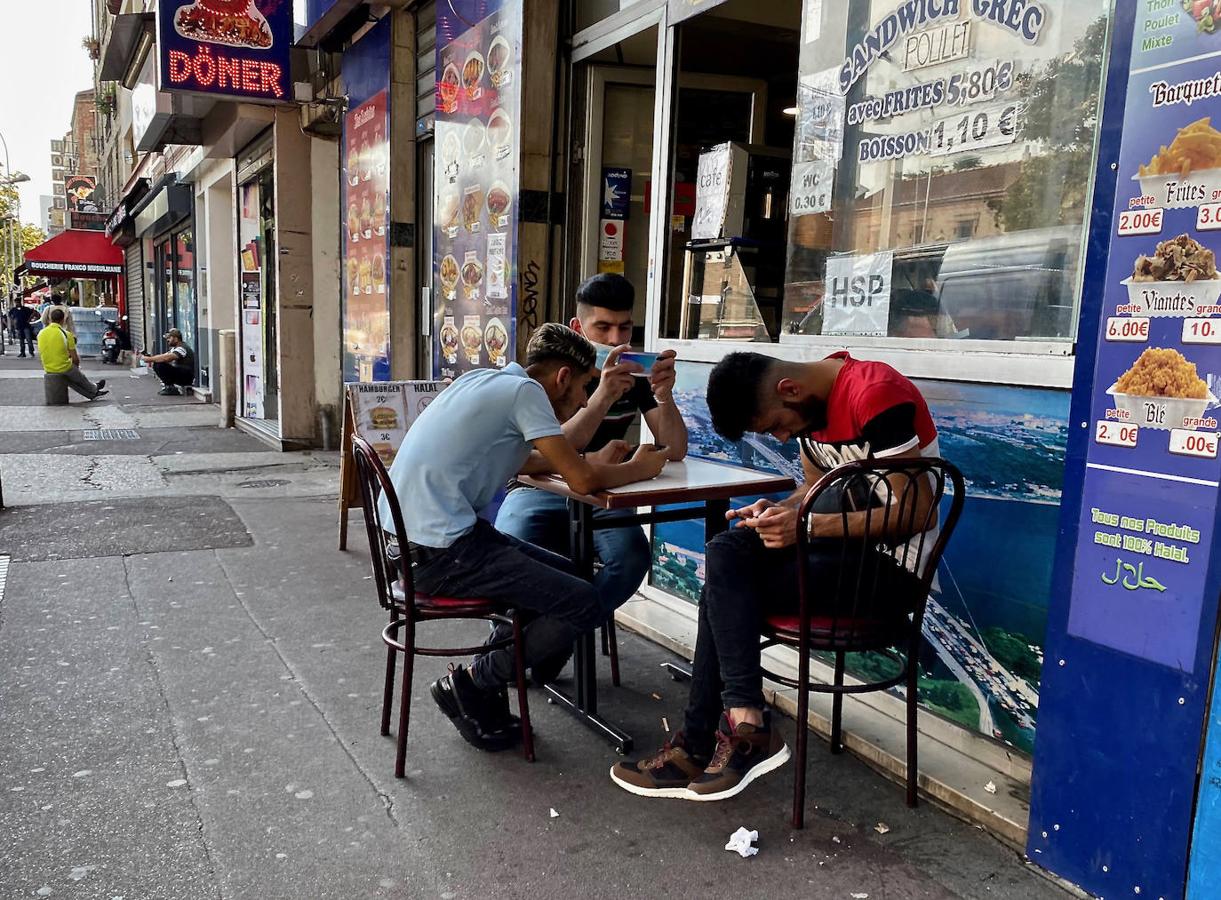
pixel 584 656
pixel 714 524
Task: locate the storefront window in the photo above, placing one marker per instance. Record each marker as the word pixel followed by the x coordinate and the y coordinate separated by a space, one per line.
pixel 941 169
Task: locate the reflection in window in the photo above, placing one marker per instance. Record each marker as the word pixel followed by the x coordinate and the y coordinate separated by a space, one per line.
pixel 974 202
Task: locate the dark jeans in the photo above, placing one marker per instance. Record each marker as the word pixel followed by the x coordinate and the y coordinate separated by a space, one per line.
pixel 486 563
pixel 25 338
pixel 173 375
pixel 745 581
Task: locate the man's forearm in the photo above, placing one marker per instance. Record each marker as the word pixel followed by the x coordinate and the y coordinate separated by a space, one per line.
pixel 536 464
pixel 582 427
pixel 671 430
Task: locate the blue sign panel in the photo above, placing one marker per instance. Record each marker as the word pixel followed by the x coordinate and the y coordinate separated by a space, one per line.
pixel 314 9
pixel 232 48
pixel 1130 635
pixel 1205 872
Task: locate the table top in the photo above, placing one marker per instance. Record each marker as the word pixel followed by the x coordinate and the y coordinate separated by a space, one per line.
pixel 679 482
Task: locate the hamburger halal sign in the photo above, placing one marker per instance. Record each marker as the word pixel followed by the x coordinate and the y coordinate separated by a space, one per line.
pixel 234 48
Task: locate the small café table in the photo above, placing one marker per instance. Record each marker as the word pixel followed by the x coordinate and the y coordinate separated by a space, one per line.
pixel 691 481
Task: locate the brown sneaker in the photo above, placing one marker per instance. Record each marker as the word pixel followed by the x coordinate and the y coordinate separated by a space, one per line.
pixel 664 774
pixel 741 756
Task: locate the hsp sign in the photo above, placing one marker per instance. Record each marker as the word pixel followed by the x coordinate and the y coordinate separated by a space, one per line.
pixel 857 299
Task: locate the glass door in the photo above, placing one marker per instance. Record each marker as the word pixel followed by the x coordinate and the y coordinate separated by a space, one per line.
pixel 271 356
pixel 184 287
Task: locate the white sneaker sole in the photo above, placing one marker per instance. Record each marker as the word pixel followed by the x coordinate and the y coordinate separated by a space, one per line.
pixel 768 765
pixel 678 793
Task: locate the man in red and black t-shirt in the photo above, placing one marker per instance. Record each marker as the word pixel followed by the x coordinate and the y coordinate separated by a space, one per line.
pixel 840 409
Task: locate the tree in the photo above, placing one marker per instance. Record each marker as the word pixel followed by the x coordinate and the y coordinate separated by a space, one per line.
pixel 27 236
pixel 1058 125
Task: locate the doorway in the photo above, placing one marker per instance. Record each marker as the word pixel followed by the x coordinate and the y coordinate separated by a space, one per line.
pixel 259 369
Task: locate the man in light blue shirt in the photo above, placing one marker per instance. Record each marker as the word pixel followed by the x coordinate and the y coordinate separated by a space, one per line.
pixel 486 427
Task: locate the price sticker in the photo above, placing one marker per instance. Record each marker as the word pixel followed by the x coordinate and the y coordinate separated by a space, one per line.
pixel 1141 221
pixel 1201 331
pixel 1208 217
pixel 1185 442
pixel 1115 434
pixel 1124 328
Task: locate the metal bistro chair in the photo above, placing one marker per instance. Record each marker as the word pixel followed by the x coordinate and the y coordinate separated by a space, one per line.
pixel 408 607
pixel 876 600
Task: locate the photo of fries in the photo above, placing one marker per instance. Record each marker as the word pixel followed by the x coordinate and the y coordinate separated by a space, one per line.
pixel 1196 147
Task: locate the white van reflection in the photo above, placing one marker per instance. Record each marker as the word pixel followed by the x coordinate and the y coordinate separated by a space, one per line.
pixel 1012 287
pixel 1018 286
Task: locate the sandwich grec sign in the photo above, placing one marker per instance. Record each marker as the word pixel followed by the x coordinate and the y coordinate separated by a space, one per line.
pixel 233 48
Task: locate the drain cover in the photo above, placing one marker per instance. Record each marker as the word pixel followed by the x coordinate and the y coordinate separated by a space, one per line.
pixel 264 483
pixel 112 434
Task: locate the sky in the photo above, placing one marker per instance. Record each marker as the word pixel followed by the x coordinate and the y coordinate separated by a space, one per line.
pixel 42 67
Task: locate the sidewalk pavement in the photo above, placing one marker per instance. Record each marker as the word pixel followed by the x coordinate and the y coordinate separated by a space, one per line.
pixel 191 704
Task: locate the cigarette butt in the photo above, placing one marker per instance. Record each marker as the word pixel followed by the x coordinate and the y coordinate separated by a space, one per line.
pixel 656 696
pixel 665 723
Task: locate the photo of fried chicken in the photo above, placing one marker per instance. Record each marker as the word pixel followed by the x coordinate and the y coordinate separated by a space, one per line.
pixel 1179 259
pixel 1162 372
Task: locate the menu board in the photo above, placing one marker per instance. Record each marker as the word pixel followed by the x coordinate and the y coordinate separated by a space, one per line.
pixel 476 177
pixel 1151 484
pixel 383 411
pixel 366 241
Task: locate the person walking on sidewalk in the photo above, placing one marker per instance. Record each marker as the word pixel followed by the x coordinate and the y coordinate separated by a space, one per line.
pixel 57 302
pixel 175 367
pixel 623 393
pixel 57 349
pixel 839 409
pixel 486 427
pixel 21 319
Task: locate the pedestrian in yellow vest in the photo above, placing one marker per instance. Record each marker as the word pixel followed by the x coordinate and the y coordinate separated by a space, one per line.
pixel 57 350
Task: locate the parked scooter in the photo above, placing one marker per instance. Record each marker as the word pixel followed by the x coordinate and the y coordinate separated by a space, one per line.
pixel 115 340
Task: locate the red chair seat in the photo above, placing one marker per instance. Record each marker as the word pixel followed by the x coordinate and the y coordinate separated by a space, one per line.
pixel 840 630
pixel 475 605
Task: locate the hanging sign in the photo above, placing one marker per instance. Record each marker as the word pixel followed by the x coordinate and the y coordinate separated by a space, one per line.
pixel 858 294
pixel 234 48
pixel 712 183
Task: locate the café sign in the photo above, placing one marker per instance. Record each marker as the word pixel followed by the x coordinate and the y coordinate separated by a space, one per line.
pixel 231 48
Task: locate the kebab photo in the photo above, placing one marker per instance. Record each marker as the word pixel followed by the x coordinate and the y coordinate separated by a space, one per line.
pixel 237 23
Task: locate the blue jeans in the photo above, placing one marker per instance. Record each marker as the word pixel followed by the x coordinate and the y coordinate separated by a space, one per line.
pixel 541 518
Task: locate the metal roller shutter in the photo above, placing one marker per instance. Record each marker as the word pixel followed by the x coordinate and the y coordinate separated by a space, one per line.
pixel 135 295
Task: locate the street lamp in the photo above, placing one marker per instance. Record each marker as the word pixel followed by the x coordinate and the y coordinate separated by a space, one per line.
pixel 12 247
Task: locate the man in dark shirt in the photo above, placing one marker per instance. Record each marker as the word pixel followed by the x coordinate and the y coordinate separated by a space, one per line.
pixel 840 409
pixel 175 367
pixel 20 317
pixel 624 390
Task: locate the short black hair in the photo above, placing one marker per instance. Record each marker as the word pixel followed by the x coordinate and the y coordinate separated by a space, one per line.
pixel 735 389
pixel 555 343
pixel 607 291
pixel 56 315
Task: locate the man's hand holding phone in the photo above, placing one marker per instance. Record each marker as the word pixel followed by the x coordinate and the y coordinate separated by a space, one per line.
pixel 649 459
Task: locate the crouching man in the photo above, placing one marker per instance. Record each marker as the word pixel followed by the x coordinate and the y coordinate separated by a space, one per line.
pixel 485 428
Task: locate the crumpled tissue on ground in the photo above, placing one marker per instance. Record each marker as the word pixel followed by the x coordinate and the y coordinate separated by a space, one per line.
pixel 740 842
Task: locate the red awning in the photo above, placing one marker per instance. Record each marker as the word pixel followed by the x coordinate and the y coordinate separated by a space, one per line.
pixel 75 254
